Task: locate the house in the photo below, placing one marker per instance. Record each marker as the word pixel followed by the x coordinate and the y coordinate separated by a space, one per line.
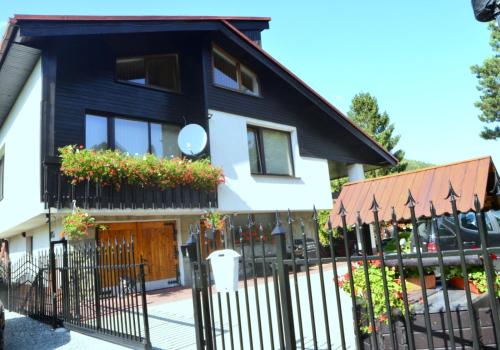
pixel 131 83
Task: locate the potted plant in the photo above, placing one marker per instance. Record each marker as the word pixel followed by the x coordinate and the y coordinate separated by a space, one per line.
pixel 77 225
pixel 213 220
pixel 477 279
pixel 413 280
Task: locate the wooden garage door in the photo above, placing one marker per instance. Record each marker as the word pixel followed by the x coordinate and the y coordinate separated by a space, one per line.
pixel 154 241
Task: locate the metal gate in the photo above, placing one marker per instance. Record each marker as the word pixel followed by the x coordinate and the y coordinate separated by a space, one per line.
pixel 97 289
pixel 307 300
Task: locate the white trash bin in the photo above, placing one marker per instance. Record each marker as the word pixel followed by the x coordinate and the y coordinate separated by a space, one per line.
pixel 225 266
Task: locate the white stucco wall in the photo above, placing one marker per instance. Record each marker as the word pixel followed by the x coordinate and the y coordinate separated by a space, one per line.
pixel 20 142
pixel 245 192
pixel 18 243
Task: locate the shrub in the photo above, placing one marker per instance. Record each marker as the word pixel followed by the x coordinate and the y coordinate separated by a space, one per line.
pixel 377 290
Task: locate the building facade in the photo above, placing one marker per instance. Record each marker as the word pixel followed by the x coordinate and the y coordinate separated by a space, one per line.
pixel 131 84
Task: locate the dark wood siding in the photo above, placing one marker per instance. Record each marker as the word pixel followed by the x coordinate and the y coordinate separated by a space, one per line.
pixel 86 82
pixel 319 136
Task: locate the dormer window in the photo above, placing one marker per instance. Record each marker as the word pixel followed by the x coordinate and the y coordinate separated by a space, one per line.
pixel 231 74
pixel 159 72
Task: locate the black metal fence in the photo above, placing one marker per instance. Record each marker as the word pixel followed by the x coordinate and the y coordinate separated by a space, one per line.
pixel 60 193
pixel 421 297
pixel 97 289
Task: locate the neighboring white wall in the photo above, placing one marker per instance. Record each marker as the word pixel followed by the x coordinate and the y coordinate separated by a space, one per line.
pixel 20 140
pixel 244 192
pixel 18 243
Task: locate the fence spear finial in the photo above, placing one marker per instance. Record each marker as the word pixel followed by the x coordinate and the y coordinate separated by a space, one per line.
pixel 432 209
pixel 289 217
pixel 452 195
pixel 410 202
pixel 278 229
pixel 315 213
pixel 342 210
pixel 330 226
pixel 374 206
pixel 393 215
pixel 477 203
pixel 359 221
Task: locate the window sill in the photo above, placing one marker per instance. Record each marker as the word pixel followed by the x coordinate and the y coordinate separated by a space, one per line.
pixel 235 91
pixel 289 177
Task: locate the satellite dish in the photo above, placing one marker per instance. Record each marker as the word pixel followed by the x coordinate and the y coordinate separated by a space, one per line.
pixel 192 139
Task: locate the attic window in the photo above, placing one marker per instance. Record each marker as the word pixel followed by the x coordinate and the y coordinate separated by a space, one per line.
pixel 160 72
pixel 231 74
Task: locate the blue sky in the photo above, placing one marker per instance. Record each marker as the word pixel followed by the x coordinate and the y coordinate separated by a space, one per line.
pixel 415 57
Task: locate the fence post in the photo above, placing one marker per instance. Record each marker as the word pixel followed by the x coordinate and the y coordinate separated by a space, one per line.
pixel 97 285
pixel 9 285
pixel 52 258
pixel 203 288
pixel 284 285
pixel 65 283
pixel 147 345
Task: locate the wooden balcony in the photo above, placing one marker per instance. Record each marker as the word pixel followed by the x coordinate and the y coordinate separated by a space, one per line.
pixel 59 193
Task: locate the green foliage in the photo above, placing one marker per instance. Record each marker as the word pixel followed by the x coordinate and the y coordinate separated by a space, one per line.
pixel 377 290
pixel 365 113
pixel 214 219
pixel 477 276
pixel 324 239
pixel 336 184
pixel 76 225
pixel 488 74
pixel 109 167
pixel 404 241
pixel 416 164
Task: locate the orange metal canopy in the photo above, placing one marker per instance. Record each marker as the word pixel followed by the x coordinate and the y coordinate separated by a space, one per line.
pixel 430 184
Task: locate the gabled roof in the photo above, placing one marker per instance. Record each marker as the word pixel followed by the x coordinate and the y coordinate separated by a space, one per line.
pixel 467 177
pixel 231 26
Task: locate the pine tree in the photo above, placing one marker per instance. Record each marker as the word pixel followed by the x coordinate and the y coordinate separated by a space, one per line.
pixel 366 114
pixel 488 75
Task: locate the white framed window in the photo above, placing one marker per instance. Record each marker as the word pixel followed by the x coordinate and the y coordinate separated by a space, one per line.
pixel 159 72
pixel 270 151
pixel 231 74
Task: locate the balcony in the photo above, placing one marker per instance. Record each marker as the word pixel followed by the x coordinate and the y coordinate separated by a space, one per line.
pixel 59 193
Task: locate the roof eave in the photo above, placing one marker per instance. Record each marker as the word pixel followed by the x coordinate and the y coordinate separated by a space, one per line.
pixel 390 158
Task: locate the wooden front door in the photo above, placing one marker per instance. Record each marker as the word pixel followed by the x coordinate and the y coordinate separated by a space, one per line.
pixel 155 241
pixel 159 247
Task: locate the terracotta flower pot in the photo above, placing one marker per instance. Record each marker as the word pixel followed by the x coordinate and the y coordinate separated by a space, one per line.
pixel 413 283
pixel 458 282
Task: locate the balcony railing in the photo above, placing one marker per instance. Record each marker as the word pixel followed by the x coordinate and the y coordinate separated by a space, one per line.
pixel 60 193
